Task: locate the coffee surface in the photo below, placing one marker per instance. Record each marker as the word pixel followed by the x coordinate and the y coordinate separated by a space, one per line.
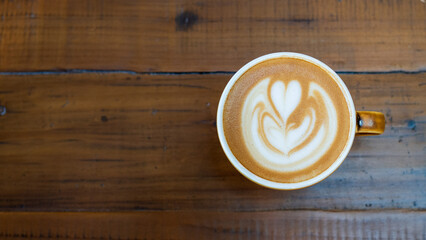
pixel 286 120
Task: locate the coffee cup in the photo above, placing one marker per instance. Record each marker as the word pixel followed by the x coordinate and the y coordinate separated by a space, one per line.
pixel 287 121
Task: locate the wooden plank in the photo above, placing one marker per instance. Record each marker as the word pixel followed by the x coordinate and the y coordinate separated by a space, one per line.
pixel 137 142
pixel 195 35
pixel 215 225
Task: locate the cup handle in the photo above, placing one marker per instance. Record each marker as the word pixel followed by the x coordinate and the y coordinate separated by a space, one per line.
pixel 369 123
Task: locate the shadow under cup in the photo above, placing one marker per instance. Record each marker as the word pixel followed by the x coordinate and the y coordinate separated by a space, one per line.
pixel 252 121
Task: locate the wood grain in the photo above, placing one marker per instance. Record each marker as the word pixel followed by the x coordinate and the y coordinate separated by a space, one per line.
pixel 95 142
pixel 215 225
pixel 193 35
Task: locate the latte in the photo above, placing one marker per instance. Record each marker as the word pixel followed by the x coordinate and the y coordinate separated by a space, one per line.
pixel 286 119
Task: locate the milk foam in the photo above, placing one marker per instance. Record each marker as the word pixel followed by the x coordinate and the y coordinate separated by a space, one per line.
pixel 274 140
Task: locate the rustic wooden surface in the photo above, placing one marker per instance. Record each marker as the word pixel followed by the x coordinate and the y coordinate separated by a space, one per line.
pixel 194 35
pixel 147 142
pixel 110 125
pixel 218 225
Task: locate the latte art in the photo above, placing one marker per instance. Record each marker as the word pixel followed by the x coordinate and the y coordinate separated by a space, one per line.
pixel 277 139
pixel 286 120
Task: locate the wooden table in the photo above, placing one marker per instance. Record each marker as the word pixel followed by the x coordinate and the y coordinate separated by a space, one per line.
pixel 110 128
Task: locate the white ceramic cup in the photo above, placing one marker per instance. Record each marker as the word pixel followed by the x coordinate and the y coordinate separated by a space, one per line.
pixel 276 185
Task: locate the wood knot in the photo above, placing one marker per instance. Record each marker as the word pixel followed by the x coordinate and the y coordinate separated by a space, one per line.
pixel 185 20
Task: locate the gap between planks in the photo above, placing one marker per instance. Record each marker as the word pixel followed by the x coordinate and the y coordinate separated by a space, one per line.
pixel 82 71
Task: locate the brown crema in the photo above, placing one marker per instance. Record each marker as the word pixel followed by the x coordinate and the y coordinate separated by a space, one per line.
pixel 311 113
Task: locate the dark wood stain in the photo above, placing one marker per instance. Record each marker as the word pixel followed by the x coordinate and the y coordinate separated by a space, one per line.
pixel 104 118
pixel 2 110
pixel 185 20
pixel 411 124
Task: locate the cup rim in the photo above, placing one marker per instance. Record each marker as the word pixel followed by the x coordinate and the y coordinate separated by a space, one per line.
pixel 268 183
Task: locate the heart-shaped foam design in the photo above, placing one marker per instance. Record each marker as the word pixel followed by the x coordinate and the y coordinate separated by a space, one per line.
pixel 276 142
pixel 280 134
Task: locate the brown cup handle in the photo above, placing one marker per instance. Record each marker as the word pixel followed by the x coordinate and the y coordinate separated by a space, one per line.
pixel 369 123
